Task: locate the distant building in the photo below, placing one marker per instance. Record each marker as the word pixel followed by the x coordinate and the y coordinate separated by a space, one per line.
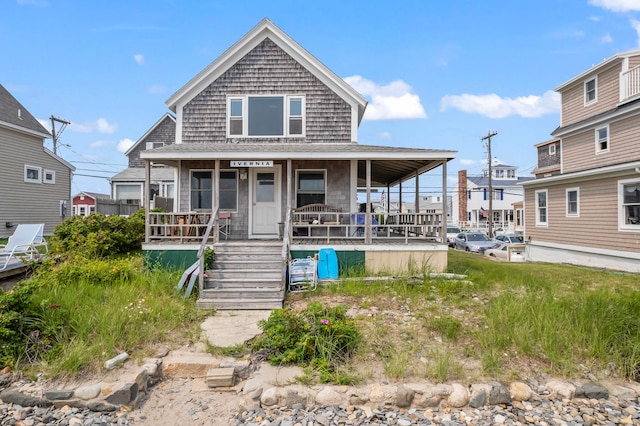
pixel 470 202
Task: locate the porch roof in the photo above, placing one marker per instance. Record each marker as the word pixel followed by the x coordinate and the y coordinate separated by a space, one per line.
pixel 389 165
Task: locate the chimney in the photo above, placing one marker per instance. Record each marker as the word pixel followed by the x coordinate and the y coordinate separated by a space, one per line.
pixel 462 196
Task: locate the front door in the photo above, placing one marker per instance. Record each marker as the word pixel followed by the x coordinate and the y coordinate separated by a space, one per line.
pixel 265 202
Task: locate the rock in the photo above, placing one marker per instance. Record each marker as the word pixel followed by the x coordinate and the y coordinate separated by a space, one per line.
pixel 10 396
pixel 55 394
pixel 404 396
pixel 241 368
pixel 479 395
pixel 269 397
pixel 594 391
pixel 221 377
pixel 124 394
pixel 459 396
pixel 116 360
pixel 560 389
pixel 101 406
pixel 251 385
pixel 88 391
pixel 499 394
pixel 152 369
pixel 520 391
pixel 327 397
pixel 142 380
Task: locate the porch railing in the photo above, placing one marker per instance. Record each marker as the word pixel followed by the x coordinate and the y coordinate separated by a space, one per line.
pixel 630 83
pixel 178 227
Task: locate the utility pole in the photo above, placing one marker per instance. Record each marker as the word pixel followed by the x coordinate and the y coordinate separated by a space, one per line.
pixel 55 135
pixel 488 139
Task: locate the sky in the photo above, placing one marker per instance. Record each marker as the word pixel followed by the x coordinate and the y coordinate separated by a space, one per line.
pixel 437 75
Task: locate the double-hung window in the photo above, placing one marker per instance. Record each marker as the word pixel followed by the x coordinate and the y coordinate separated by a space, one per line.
pixel 541 207
pixel 266 116
pixel 310 187
pixel 573 202
pixel 590 94
pixel 202 190
pixel 629 204
pixel 602 139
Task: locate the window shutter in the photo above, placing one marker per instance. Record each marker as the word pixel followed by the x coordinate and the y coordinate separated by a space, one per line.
pixel 484 194
pixel 501 194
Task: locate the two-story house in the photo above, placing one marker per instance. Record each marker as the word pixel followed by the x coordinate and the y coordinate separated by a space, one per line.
pixel 35 183
pixel 128 186
pixel 266 149
pixel 584 205
pixel 470 202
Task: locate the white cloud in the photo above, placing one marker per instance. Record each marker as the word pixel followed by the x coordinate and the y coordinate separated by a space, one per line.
pixel 494 106
pixel 606 39
pixel 467 162
pixel 617 5
pixel 139 58
pixel 99 144
pixel 636 26
pixel 594 18
pixel 393 101
pixel 385 135
pixel 101 125
pixel 156 89
pixel 125 144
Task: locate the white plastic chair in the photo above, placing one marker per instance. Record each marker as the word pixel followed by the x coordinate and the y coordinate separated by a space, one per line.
pixel 23 243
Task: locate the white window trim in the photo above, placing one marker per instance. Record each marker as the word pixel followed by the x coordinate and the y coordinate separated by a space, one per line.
pixel 285 118
pixel 577 213
pixel 53 176
pixel 324 171
pixel 539 223
pixel 597 140
pixel 621 225
pixel 552 149
pixel 31 180
pixel 595 97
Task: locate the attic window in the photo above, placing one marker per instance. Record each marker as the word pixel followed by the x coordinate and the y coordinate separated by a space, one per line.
pixel 590 95
pixel 552 149
pixel 265 116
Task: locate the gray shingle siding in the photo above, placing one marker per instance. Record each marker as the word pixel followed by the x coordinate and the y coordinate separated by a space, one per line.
pixel 164 132
pixel 267 69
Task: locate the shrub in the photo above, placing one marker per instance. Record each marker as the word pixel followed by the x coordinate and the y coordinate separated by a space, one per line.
pixel 321 337
pixel 99 236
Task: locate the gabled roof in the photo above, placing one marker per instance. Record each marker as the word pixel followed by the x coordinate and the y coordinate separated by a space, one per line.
pixel 94 195
pixel 618 57
pixel 137 174
pixel 164 117
pixel 266 29
pixel 13 115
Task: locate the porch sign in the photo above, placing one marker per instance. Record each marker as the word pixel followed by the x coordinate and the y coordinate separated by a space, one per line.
pixel 250 163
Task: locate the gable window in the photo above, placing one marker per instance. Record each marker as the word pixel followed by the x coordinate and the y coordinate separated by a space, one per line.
pixel 310 187
pixel 265 116
pixel 602 139
pixel 573 202
pixel 32 174
pixel 552 149
pixel 229 190
pixel 590 91
pixel 49 176
pixel 629 204
pixel 201 189
pixel 541 207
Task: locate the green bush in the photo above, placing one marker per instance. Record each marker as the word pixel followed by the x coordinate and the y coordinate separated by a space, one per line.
pixel 320 336
pixel 99 236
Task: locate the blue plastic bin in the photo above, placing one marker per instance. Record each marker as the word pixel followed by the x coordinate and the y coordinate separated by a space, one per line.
pixel 327 264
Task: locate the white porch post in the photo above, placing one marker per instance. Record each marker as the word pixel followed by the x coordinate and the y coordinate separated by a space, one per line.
pixel 147 198
pixel 289 231
pixel 216 198
pixel 417 200
pixel 445 204
pixel 367 217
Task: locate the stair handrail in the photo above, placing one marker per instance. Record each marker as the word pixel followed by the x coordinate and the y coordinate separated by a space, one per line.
pixel 205 238
pixel 286 231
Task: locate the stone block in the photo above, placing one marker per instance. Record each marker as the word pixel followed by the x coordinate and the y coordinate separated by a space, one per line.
pixel 220 377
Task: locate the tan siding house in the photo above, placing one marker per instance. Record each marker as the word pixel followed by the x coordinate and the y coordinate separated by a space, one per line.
pixel 588 213
pixel 35 184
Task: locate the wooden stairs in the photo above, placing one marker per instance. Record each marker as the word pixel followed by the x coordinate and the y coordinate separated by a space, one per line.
pixel 245 275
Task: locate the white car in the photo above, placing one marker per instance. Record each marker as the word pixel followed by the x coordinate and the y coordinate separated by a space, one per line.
pixel 452 231
pixel 507 252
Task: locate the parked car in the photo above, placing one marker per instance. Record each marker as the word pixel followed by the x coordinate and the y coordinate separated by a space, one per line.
pixel 452 231
pixel 510 238
pixel 507 252
pixel 476 242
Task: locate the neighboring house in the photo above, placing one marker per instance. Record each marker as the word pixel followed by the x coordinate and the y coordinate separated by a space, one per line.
pixel 470 204
pixel 266 144
pixel 35 184
pixel 584 206
pixel 85 202
pixel 128 186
